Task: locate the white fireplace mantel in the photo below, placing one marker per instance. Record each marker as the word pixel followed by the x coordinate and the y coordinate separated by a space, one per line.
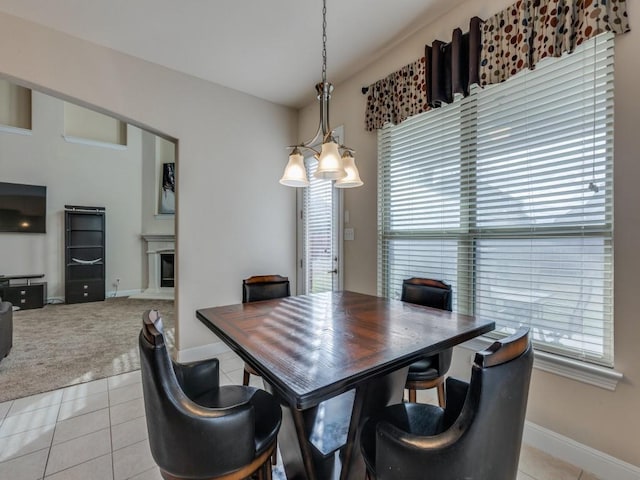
pixel 159 237
pixel 157 244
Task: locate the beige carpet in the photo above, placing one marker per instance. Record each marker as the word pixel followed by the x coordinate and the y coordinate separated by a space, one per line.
pixel 61 345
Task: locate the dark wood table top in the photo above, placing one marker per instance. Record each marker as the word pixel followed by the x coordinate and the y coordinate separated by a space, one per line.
pixel 313 347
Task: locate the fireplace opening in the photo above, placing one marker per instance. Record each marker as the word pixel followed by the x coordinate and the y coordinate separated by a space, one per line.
pixel 166 269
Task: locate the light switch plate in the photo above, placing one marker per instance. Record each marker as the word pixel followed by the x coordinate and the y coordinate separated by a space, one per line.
pixel 349 234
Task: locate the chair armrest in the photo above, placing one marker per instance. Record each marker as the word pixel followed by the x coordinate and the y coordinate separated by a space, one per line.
pixel 399 452
pixel 388 434
pixel 220 438
pixel 456 396
pixel 444 360
pixel 198 377
pixel 404 455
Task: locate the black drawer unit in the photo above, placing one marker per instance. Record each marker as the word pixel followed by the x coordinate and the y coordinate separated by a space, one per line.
pixel 84 254
pixel 90 291
pixel 24 296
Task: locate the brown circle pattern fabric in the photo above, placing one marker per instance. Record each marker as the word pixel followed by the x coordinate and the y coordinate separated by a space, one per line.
pixel 505 43
pixel 397 97
pixel 411 90
pixel 380 103
pixel 530 30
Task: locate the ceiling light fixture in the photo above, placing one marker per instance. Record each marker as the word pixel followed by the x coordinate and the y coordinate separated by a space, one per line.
pixel 335 162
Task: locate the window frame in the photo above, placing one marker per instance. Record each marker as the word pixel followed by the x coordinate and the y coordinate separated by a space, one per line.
pixel 469 234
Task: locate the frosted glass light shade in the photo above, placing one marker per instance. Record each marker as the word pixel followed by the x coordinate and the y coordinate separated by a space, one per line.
pixel 353 176
pixel 295 173
pixel 330 163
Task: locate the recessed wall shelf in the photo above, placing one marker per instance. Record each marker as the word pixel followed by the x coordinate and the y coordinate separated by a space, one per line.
pixel 15 130
pixel 93 143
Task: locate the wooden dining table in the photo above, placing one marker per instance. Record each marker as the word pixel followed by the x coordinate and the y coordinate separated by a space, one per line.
pixel 333 359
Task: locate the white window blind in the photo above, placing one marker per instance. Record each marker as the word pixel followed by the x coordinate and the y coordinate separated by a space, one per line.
pixel 508 196
pixel 318 231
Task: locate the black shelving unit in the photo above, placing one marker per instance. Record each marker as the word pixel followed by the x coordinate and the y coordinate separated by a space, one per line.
pixel 84 254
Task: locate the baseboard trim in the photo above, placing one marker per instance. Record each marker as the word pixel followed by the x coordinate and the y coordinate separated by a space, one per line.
pixel 112 294
pixel 599 463
pixel 122 293
pixel 200 353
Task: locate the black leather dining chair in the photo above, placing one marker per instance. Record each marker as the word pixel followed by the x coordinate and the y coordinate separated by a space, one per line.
pixel 429 371
pixel 265 287
pixel 258 288
pixel 477 436
pixel 197 429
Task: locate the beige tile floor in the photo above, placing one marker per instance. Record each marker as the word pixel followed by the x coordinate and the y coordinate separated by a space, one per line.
pixel 97 431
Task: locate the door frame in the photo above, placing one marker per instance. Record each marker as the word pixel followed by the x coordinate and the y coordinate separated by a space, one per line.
pixel 338 225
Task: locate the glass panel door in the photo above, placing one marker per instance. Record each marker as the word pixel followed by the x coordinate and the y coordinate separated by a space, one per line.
pixel 320 249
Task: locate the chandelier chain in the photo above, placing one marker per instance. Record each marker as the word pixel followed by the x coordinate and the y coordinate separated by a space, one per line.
pixel 324 41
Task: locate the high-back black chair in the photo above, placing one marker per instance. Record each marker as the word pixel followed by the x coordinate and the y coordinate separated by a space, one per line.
pixel 479 433
pixel 198 429
pixel 258 288
pixel 430 371
pixel 6 328
pixel 265 287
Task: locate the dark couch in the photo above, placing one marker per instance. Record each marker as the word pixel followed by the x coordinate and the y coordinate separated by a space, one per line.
pixel 6 328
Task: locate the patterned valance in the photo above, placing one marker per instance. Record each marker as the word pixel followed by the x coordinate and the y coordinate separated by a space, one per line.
pixel 530 30
pixel 446 69
pixel 397 97
pixel 512 40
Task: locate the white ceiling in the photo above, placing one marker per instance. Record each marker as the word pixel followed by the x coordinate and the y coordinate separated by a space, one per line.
pixel 268 48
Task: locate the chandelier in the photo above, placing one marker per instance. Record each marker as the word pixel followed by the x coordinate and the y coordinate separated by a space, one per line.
pixel 335 162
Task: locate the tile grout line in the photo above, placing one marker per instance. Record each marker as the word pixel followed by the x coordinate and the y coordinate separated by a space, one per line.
pixel 74 466
pixel 113 466
pixel 53 434
pixel 71 440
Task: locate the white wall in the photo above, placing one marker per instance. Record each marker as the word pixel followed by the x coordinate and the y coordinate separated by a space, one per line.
pixel 233 218
pixel 74 175
pixel 607 421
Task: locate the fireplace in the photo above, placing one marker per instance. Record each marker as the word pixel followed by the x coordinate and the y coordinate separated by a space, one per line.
pixel 166 270
pixel 160 262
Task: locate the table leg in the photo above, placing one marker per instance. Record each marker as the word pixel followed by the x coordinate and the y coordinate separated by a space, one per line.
pixel 300 461
pixel 371 397
pixel 295 451
pixel 300 456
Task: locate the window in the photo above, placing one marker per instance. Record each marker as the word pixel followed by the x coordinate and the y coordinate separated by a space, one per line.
pixel 508 196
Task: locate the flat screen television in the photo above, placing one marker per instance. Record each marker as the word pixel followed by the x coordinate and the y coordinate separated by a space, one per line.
pixel 23 208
